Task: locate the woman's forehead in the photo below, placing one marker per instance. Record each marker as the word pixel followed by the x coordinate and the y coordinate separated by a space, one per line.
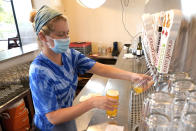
pixel 61 26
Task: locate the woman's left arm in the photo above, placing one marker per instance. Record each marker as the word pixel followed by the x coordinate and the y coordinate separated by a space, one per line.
pixel 115 73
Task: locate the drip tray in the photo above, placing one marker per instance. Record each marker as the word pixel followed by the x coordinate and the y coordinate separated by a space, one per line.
pixel 135 110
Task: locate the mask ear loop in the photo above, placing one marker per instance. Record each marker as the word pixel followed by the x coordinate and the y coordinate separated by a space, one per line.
pixel 49 45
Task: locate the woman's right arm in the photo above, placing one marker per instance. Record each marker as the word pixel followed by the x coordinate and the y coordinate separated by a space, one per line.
pixel 70 113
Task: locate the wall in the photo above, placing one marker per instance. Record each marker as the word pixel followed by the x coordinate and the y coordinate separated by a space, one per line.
pixel 103 25
pixel 57 4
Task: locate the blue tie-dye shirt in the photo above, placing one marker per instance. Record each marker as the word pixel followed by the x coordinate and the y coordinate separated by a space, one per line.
pixel 53 86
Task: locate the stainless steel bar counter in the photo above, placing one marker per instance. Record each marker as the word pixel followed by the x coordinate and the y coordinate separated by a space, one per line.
pixel 96 119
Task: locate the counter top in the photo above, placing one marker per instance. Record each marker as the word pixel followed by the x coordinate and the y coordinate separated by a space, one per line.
pixel 98 84
pixel 17 52
pixel 12 100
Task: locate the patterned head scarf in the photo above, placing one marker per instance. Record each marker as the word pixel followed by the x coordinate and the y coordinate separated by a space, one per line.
pixel 44 15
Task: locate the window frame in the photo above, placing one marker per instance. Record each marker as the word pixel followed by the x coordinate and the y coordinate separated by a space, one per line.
pixel 16 23
pixel 15 52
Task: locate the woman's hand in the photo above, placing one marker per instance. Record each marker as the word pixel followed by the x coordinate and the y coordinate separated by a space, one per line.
pixel 115 73
pixel 143 80
pixel 104 102
pixel 147 85
pixel 140 78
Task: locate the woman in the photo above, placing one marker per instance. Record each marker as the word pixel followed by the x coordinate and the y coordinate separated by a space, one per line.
pixel 53 74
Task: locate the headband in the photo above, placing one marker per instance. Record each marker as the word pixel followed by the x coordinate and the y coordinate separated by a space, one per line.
pixel 44 15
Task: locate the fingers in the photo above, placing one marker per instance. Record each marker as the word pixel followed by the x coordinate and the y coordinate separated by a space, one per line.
pixel 112 101
pixel 148 85
pixel 145 80
pixel 106 103
pixel 146 77
pixel 149 77
pixel 112 104
pixel 145 85
pixel 110 107
pixel 142 77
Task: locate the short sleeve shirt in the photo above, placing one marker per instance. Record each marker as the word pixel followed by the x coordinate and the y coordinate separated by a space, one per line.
pixel 53 86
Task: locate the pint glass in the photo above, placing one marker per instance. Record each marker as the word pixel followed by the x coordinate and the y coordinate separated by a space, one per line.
pixel 115 95
pixel 142 86
pixel 138 89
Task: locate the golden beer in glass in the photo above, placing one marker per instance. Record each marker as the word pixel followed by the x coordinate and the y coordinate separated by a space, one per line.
pixel 138 89
pixel 141 87
pixel 115 95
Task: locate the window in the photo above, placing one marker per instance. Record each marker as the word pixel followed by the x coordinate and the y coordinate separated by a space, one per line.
pixel 15 27
pixel 7 24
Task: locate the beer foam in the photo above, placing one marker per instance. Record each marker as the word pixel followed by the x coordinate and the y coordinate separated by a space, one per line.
pixel 113 92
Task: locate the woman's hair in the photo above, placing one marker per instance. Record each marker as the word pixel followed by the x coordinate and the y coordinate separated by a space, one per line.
pixel 48 27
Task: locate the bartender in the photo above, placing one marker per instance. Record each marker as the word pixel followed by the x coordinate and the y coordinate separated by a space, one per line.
pixel 53 74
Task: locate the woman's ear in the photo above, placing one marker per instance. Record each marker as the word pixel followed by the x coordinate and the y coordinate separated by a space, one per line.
pixel 42 37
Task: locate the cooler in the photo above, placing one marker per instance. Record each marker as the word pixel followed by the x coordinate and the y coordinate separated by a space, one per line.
pixel 18 119
pixel 83 47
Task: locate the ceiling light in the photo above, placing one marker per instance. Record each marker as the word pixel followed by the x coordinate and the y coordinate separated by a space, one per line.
pixel 91 3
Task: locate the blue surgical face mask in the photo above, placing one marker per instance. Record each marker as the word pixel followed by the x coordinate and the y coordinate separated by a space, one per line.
pixel 61 45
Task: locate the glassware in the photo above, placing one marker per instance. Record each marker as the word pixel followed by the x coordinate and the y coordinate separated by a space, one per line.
pixel 138 88
pixel 115 95
pixel 142 85
pixel 190 105
pixel 154 122
pixel 177 108
pixel 179 76
pixel 161 82
pixel 156 112
pixel 158 122
pixel 181 88
pixel 166 80
pixel 163 109
pixel 188 122
pixel 188 117
pixel 158 102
